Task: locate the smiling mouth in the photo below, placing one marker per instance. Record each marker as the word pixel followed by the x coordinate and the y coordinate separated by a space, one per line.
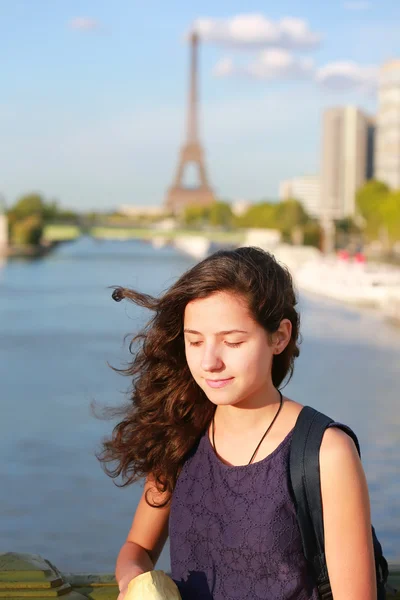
pixel 217 383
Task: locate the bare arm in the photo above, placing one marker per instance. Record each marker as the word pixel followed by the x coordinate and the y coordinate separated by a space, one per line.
pixel 145 540
pixel 347 519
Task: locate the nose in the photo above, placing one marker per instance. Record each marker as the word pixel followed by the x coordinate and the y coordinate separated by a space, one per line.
pixel 211 359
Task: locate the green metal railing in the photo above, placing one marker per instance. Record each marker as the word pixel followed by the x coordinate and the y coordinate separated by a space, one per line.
pixel 25 576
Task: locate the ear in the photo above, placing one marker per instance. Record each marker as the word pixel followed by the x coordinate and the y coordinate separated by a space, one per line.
pixel 282 336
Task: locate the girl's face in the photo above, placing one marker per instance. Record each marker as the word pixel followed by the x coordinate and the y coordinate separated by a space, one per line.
pixel 228 353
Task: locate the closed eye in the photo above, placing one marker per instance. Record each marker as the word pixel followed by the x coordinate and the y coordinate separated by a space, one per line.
pixel 230 344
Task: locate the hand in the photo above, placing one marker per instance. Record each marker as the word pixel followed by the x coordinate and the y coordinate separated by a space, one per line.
pixel 122 595
pixel 126 579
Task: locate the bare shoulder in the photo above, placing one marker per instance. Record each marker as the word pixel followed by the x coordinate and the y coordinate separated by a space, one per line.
pixel 335 442
pixel 292 406
pixel 337 446
pixel 342 473
pixel 292 411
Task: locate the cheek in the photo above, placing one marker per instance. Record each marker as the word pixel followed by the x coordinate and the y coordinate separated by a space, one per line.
pixel 239 362
pixel 250 366
pixel 255 363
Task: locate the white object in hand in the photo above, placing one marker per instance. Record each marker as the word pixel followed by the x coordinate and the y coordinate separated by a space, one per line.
pixel 152 585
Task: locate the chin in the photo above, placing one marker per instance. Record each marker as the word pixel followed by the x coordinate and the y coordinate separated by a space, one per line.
pixel 221 399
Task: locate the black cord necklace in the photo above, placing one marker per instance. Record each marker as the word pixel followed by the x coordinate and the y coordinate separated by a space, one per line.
pixel 260 442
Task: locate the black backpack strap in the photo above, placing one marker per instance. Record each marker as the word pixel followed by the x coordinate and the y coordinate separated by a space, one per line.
pixel 306 487
pixel 305 480
pixel 304 475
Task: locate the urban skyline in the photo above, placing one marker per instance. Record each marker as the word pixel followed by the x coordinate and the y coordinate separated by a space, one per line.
pixel 346 162
pixel 93 126
pixel 355 147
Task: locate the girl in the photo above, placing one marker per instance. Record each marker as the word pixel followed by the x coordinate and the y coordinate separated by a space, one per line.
pixel 210 431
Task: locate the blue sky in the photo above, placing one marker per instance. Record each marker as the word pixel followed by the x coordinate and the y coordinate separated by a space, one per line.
pixel 93 102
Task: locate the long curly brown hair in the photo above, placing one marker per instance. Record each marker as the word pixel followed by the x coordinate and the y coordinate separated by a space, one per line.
pixel 168 412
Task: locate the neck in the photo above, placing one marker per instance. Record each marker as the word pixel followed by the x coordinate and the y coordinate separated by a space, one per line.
pixel 248 414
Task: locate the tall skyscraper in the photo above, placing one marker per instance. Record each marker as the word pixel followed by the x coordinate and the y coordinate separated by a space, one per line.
pixel 345 163
pixel 387 146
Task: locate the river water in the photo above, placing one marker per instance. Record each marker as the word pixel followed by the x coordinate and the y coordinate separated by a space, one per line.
pixel 59 328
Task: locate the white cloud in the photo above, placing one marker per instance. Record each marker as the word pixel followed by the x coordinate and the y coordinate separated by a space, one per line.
pixel 277 64
pixel 84 24
pixel 347 75
pixel 256 30
pixel 224 68
pixel 271 64
pixel 357 5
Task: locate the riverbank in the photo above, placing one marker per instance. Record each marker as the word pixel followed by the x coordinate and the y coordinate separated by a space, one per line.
pixel 63 232
pixel 363 284
pixel 28 251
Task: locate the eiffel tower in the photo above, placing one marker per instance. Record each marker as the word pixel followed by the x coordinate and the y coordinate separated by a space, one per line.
pixel 179 196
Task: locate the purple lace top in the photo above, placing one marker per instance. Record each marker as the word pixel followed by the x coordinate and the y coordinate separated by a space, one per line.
pixel 233 530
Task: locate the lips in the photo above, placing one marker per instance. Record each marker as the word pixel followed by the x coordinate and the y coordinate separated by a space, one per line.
pixel 219 383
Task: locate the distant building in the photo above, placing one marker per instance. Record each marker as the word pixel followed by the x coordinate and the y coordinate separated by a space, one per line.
pixel 131 210
pixel 267 239
pixel 306 189
pixel 240 207
pixel 387 147
pixel 347 136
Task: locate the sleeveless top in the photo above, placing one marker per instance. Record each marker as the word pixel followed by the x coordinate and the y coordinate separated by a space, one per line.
pixel 233 530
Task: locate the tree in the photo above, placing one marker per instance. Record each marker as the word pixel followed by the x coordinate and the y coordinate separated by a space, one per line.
pixel 290 213
pixel 347 226
pixel 195 215
pixel 369 198
pixel 25 220
pixel 262 215
pixel 28 231
pixel 35 204
pixel 30 204
pixel 220 214
pixel 390 215
pixel 348 232
pixel 312 234
pixel 28 215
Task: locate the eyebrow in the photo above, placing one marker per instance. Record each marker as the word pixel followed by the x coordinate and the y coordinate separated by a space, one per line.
pixel 219 332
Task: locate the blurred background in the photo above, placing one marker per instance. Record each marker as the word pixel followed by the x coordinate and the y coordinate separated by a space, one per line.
pixel 136 140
